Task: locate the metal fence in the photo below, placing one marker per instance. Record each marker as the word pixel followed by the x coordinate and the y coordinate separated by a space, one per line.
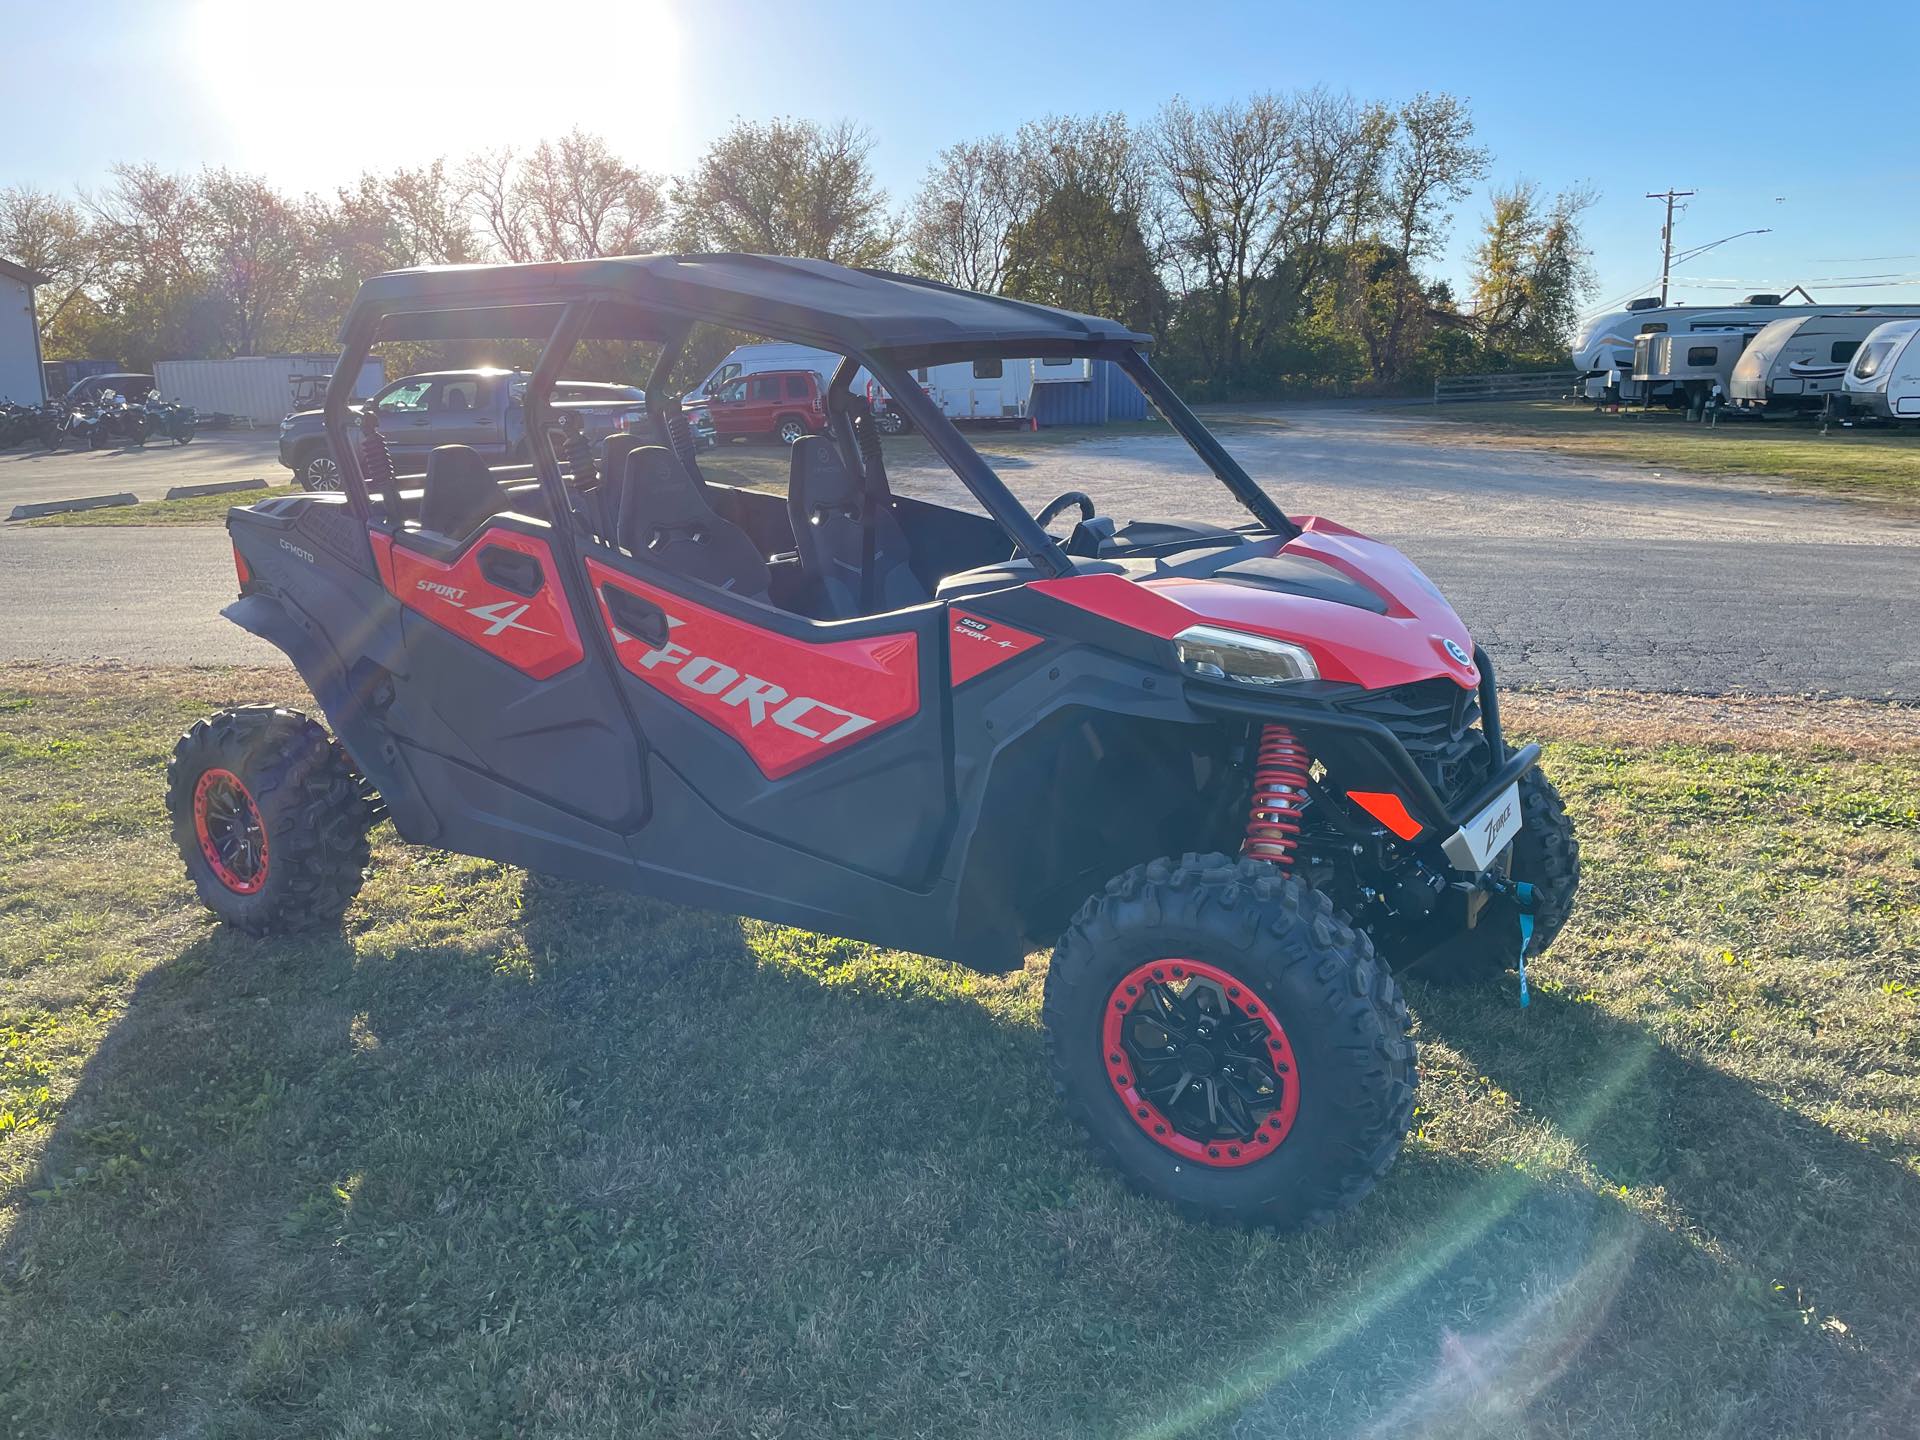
pixel 1532 385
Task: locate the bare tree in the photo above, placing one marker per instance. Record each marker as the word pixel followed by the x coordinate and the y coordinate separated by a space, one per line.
pixel 1227 169
pixel 50 234
pixel 579 200
pixel 965 210
pixel 1431 166
pixel 788 187
pixel 487 181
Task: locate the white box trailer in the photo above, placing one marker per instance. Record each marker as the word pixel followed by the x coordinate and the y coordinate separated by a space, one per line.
pixel 1884 378
pixel 964 390
pixel 257 388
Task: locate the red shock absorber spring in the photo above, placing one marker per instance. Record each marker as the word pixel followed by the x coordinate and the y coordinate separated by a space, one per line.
pixel 1280 779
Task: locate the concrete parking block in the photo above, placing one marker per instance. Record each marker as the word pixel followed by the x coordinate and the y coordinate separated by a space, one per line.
pixel 56 507
pixel 217 487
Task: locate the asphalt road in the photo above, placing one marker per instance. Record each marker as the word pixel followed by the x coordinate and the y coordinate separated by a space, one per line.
pixel 1571 572
pixel 29 474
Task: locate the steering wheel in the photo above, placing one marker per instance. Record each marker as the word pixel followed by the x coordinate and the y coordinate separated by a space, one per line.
pixel 1061 501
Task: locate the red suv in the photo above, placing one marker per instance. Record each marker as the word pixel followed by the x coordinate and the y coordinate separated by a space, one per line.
pixel 783 403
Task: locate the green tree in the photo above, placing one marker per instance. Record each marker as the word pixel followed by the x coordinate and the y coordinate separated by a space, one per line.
pixel 788 187
pixel 1531 270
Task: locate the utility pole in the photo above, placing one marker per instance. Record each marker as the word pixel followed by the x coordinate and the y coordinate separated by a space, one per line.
pixel 1666 234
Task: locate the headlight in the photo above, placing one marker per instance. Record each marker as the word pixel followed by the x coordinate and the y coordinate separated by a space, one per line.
pixel 1232 655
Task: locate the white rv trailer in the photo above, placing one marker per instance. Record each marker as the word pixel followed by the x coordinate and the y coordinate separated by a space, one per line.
pixel 964 390
pixel 1796 362
pixel 1604 353
pixel 1691 363
pixel 1884 379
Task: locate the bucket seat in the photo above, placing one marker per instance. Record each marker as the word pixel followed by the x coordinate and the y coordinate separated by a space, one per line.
pixel 665 520
pixel 459 492
pixel 827 502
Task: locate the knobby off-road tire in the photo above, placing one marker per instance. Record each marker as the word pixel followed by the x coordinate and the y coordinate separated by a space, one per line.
pixel 1546 855
pixel 270 818
pixel 1340 1051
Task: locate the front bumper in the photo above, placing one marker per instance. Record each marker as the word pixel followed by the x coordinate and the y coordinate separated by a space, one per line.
pixel 1363 741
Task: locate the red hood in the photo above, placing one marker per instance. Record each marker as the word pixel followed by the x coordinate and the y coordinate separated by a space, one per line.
pixel 1350 643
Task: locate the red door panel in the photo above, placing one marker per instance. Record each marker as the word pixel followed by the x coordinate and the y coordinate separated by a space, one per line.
pixel 788 702
pixel 533 633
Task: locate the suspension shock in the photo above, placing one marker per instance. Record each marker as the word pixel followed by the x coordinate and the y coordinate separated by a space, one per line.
pixel 1279 791
pixel 376 461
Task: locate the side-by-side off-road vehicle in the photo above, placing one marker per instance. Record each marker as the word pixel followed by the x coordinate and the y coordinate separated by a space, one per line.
pixel 1237 776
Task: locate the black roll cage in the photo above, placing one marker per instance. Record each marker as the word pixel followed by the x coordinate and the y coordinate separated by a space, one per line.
pixel 893 368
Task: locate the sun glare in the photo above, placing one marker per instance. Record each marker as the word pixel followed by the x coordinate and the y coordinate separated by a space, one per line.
pixel 318 95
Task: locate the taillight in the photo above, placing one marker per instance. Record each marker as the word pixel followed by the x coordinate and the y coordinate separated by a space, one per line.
pixel 240 568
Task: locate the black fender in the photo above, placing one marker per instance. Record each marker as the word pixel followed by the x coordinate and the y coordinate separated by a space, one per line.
pixel 351 697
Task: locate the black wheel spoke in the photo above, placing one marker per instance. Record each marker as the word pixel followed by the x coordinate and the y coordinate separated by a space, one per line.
pixel 1202 1060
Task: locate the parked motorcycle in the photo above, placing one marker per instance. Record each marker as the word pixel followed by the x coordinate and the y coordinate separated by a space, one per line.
pixel 170 420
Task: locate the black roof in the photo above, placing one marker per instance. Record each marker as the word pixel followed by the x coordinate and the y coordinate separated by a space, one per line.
pixel 648 297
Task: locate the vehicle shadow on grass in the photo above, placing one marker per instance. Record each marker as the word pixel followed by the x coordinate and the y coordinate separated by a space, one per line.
pixel 1811 1232
pixel 625 1168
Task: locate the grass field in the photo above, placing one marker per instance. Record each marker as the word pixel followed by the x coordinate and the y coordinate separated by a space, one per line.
pixel 1880 463
pixel 517 1157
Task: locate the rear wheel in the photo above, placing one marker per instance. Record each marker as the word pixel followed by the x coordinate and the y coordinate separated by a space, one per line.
pixel 270 819
pixel 1546 856
pixel 792 429
pixel 1229 1042
pixel 890 422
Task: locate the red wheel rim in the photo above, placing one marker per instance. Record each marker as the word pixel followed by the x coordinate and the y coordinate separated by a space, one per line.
pixel 1200 1061
pixel 233 837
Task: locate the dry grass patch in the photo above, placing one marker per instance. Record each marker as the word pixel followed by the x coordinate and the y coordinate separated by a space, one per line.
pixel 1879 463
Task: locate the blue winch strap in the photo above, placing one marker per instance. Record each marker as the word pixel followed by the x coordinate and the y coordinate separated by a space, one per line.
pixel 1523 897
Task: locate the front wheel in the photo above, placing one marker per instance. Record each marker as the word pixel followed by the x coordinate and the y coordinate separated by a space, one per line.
pixel 270 819
pixel 1229 1042
pixel 317 471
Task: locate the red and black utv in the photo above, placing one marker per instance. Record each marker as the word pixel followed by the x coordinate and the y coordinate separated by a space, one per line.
pixel 1236 775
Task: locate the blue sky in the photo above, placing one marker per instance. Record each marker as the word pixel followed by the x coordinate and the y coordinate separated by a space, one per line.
pixel 1729 102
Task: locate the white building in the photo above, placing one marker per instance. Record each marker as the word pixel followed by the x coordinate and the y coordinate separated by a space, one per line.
pixel 19 335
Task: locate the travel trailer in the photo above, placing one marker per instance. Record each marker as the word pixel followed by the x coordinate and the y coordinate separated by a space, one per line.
pixel 1884 379
pixel 1604 355
pixel 1691 363
pixel 1796 362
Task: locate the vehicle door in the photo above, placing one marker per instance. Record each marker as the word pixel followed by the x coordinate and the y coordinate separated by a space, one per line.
pixel 506 703
pixel 728 410
pixel 828 738
pixel 405 418
pixel 764 402
pixel 465 410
